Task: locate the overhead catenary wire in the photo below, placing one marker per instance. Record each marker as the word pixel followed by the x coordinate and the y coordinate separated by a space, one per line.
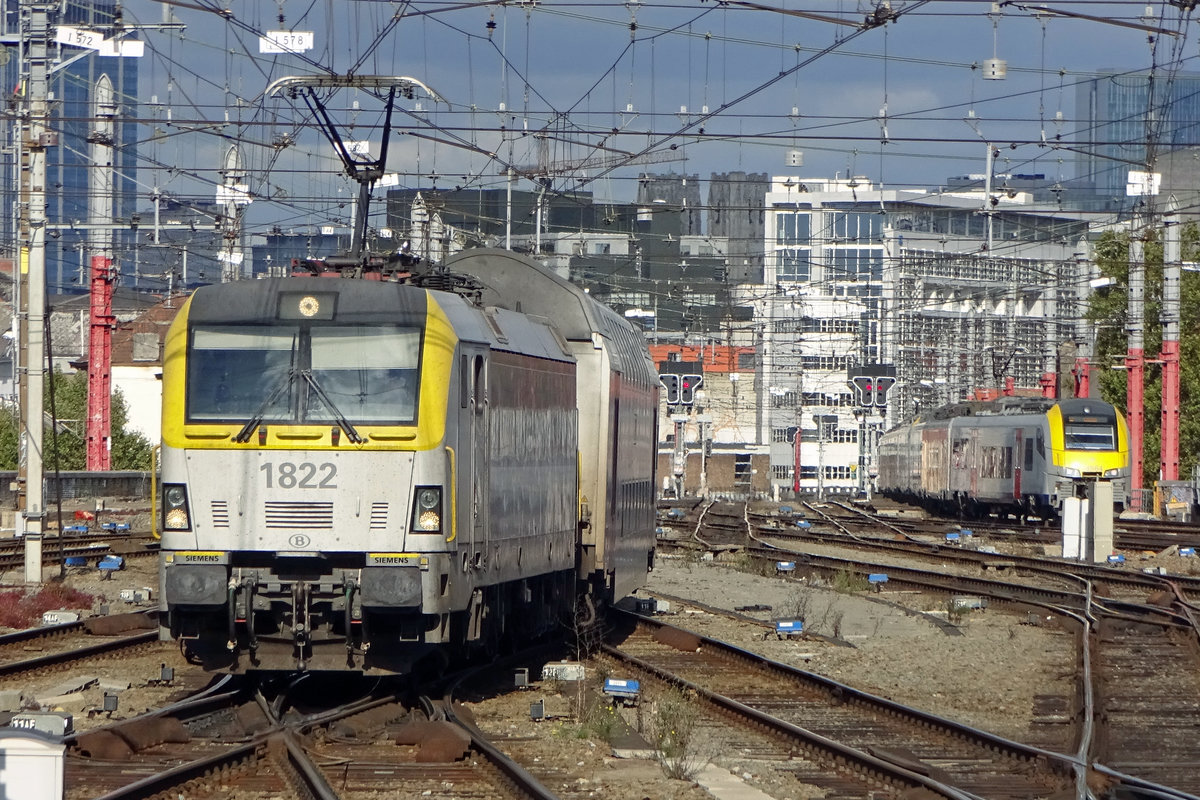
pixel 472 132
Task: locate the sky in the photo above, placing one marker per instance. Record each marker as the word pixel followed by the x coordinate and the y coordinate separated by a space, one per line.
pixel 696 86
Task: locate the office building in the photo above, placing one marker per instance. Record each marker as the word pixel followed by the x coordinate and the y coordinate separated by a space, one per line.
pixel 1128 120
pixel 68 163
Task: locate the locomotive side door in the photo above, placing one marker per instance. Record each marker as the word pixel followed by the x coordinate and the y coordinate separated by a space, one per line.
pixel 1018 460
pixel 973 461
pixel 480 447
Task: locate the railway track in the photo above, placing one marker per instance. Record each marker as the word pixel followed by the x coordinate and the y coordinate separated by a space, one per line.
pixel 1142 658
pixel 241 739
pixel 1148 697
pixel 951 756
pixel 90 547
pixel 62 647
pixel 1129 534
pixel 260 754
pixel 1125 584
pixel 722 526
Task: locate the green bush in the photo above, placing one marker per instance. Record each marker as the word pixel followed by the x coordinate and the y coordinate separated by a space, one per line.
pixel 847 582
pixel 601 721
pixel 130 450
pixel 673 725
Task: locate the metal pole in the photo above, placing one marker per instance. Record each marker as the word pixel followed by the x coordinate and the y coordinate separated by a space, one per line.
pixel 1083 332
pixel 537 236
pixel 62 539
pixel 1049 377
pixel 988 211
pixel 231 217
pixel 819 419
pixel 157 197
pixel 680 457
pixel 1170 343
pixel 508 208
pixel 99 411
pixel 796 459
pixel 820 467
pixel 35 16
pixel 1134 358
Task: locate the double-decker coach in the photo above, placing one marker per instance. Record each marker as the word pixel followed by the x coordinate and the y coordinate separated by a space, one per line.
pixel 1015 455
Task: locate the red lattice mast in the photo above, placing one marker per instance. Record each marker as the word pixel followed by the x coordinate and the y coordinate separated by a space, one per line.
pixel 99 407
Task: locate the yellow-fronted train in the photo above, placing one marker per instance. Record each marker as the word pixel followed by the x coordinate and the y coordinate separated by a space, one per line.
pixel 1020 456
pixel 362 472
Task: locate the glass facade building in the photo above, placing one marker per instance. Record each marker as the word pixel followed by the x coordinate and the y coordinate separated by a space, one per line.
pixel 68 164
pixel 1124 118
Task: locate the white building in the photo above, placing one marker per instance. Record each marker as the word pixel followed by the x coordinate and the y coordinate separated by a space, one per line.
pixel 964 294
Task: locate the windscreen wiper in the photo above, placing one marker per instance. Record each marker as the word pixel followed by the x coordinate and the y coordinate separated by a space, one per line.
pixel 256 419
pixel 351 432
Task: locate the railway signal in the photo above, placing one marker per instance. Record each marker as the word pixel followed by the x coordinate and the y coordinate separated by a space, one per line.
pixel 882 384
pixel 871 383
pixel 671 384
pixel 688 384
pixel 864 388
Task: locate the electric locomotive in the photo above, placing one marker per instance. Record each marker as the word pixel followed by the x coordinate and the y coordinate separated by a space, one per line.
pixel 1016 455
pixel 358 474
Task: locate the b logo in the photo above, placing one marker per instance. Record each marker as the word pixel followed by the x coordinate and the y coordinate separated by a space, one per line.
pixel 298 540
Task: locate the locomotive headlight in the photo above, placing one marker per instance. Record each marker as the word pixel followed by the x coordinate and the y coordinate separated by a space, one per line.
pixel 427 509
pixel 1071 472
pixel 1112 473
pixel 175 508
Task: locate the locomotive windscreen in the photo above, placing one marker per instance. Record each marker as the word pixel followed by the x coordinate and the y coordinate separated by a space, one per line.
pixel 1089 432
pixel 278 373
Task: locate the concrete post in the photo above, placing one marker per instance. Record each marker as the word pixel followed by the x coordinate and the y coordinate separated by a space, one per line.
pixel 1100 520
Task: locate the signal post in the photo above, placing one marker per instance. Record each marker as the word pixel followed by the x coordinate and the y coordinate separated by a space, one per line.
pixel 870 384
pixel 680 381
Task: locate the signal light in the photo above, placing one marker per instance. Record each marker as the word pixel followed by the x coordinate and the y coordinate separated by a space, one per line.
pixel 882 384
pixel 687 388
pixel 864 387
pixel 670 382
pixel 871 390
pixel 427 509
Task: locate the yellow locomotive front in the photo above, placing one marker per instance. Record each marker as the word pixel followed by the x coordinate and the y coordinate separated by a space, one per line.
pixel 307 477
pixel 1089 440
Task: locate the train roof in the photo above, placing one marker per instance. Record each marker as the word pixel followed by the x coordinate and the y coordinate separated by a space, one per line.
pixel 991 408
pixel 259 299
pixel 1015 406
pixel 518 283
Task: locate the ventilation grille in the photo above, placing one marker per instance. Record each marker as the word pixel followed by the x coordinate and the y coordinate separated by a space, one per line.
pixel 379 516
pixel 220 514
pixel 300 515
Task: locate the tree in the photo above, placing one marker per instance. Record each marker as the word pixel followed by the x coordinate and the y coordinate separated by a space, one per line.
pixel 130 450
pixel 1108 309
